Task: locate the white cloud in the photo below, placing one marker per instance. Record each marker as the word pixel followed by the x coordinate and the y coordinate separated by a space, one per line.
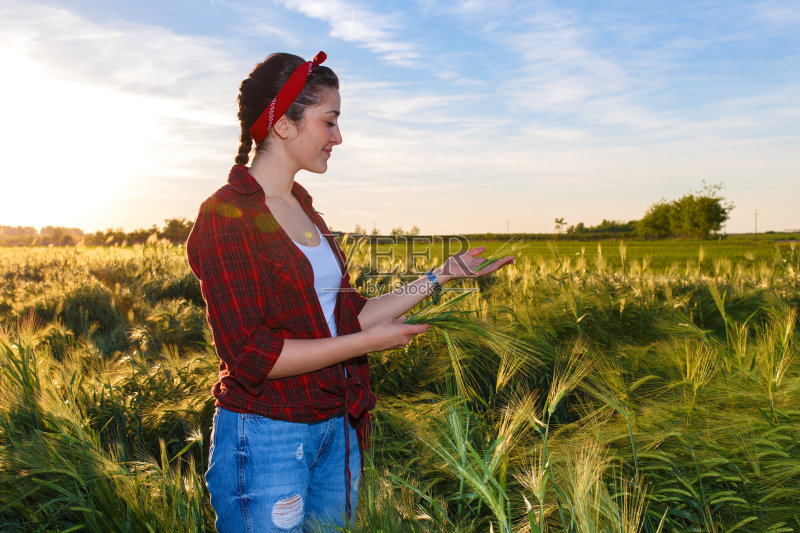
pixel 359 25
pixel 779 13
pixel 558 67
pixel 127 57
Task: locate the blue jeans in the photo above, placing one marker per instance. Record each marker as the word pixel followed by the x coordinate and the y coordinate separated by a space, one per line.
pixel 271 475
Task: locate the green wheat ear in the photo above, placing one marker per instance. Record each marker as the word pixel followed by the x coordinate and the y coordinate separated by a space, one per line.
pixel 440 314
pixel 510 247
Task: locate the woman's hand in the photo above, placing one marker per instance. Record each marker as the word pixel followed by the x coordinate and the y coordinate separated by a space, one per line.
pixel 465 265
pixel 393 333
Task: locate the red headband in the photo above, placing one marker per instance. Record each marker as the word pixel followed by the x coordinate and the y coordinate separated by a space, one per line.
pixel 286 96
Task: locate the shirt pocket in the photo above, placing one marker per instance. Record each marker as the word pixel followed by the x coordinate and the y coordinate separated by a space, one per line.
pixel 278 269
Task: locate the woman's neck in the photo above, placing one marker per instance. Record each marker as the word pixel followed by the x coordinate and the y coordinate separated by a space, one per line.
pixel 274 174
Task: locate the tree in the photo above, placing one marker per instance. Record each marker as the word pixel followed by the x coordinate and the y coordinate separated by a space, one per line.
pixel 59 236
pixel 176 230
pixel 580 227
pixel 359 230
pixel 655 222
pixel 694 215
pixel 414 230
pixel 396 231
pixel 16 236
pixel 560 223
pixel 606 227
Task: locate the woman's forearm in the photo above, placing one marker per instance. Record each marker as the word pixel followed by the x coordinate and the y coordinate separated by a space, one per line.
pixel 299 356
pixel 398 302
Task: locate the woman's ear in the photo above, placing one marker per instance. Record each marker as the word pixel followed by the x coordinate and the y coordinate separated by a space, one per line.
pixel 282 127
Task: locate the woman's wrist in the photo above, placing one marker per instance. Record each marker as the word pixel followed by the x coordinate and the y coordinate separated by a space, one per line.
pixel 366 338
pixel 441 276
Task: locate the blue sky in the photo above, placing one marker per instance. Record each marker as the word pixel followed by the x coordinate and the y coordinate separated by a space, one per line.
pixel 457 116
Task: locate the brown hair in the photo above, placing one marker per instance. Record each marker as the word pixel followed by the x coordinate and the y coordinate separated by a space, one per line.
pixel 263 84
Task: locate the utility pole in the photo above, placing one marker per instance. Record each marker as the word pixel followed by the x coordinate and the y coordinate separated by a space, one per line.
pixel 756 224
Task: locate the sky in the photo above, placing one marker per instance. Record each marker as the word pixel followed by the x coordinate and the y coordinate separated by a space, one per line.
pixel 457 117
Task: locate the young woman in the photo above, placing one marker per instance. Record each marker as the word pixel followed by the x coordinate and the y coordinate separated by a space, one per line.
pixel 293 397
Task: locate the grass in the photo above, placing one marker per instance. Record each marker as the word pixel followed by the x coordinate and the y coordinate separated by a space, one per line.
pixel 631 387
pixel 657 254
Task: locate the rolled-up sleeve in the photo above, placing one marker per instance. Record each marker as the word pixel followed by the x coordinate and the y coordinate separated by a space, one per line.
pixel 237 298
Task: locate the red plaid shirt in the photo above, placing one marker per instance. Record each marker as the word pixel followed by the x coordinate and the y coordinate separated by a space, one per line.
pixel 259 290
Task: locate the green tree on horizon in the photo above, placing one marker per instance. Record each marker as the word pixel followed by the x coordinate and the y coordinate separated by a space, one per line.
pixel 695 215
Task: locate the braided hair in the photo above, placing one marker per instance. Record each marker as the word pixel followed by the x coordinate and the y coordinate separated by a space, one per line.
pixel 263 84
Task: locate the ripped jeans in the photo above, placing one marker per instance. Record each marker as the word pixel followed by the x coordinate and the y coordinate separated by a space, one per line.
pixel 273 475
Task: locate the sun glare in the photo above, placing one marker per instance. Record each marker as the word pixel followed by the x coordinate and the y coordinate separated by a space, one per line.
pixel 74 150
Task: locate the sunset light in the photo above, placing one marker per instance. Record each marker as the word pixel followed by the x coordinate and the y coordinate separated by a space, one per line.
pixel 126 117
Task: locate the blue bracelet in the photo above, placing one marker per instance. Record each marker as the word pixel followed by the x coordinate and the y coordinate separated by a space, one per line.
pixel 437 287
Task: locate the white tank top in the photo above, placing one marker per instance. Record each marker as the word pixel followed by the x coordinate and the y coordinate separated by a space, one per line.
pixel 327 277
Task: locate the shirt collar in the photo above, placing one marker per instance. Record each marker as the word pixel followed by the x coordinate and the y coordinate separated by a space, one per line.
pixel 242 182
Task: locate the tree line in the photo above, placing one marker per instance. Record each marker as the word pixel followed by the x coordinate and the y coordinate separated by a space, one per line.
pixel 697 215
pixel 174 230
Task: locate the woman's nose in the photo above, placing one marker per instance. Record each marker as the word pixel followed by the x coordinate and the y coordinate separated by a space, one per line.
pixel 336 136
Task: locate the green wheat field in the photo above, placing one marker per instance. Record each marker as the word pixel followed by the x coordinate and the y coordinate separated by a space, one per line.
pixel 611 387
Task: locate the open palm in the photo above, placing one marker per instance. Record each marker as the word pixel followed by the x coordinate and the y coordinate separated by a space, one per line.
pixel 468 264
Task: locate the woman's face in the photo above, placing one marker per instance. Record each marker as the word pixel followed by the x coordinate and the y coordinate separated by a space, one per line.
pixel 312 139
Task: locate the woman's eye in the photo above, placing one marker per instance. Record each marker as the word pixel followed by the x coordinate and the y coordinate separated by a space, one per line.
pixel 331 124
